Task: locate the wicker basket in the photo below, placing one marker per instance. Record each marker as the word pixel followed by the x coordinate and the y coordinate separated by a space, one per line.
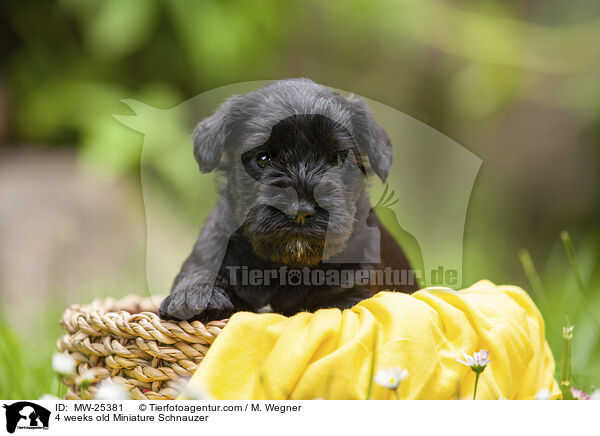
pixel 127 341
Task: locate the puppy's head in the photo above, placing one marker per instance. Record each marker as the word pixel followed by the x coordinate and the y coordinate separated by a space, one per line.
pixel 293 152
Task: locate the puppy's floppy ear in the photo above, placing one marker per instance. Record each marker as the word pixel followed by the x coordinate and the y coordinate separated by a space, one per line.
pixel 371 138
pixel 213 134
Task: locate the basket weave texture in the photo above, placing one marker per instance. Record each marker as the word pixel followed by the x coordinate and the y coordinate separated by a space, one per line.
pixel 126 341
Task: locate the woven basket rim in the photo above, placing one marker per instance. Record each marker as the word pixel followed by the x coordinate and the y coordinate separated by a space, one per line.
pixel 135 316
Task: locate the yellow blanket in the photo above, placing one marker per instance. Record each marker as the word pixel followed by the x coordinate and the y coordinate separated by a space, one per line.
pixel 328 354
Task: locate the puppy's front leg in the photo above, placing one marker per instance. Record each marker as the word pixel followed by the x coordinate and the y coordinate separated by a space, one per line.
pixel 198 292
pixel 193 300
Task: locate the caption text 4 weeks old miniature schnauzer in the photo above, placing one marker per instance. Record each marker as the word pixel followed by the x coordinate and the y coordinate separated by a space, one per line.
pixel 293 200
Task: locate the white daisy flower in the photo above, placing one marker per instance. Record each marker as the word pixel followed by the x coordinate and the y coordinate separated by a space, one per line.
pixel 85 379
pixel 579 394
pixel 477 362
pixel 542 394
pixel 391 378
pixel 49 397
pixel 108 390
pixel 63 364
pixel 595 395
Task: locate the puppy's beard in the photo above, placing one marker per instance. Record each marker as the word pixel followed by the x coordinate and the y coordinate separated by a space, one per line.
pixel 293 251
pixel 273 237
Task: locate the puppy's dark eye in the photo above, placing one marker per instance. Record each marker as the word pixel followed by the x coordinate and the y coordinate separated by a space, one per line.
pixel 262 160
pixel 336 160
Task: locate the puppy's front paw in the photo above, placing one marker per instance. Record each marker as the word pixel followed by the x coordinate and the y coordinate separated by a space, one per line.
pixel 202 302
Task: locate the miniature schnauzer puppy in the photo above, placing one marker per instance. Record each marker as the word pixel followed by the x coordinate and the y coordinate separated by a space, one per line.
pixel 293 199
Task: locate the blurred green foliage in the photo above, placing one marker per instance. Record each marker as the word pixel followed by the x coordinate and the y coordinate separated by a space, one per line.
pixel 70 62
pixel 456 66
pixel 26 370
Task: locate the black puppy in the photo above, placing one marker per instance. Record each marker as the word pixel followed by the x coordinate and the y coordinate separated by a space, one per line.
pixel 293 217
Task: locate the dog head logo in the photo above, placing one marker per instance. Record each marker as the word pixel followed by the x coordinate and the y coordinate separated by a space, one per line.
pixel 26 415
pixel 431 175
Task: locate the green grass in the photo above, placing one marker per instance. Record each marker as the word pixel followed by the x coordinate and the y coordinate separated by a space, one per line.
pixel 565 297
pixel 25 365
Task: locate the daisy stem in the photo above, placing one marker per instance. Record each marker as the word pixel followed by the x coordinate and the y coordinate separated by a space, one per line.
pixel 565 370
pixel 476 381
pixel 60 387
pixel 397 394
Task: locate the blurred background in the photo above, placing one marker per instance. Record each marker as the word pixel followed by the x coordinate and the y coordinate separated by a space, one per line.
pixel 515 82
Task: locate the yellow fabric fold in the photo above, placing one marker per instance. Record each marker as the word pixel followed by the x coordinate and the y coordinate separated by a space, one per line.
pixel 328 354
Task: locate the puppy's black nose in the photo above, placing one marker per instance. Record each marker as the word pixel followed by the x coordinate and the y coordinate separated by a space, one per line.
pixel 303 214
